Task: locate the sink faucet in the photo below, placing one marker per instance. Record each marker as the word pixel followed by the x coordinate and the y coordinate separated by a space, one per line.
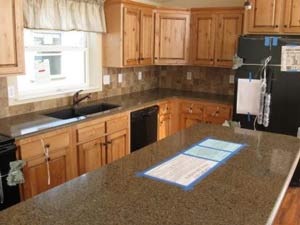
pixel 77 100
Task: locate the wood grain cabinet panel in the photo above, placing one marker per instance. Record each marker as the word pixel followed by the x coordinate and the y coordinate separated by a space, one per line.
pixel 11 37
pixel 217 114
pixel 49 160
pixel 164 126
pixel 229 30
pixel 264 17
pixel 146 37
pixel 117 145
pixel 91 155
pixel 203 38
pixel 292 17
pixel 172 32
pixel 131 32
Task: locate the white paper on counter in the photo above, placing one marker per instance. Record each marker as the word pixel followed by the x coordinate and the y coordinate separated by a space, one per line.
pixel 182 169
pixel 221 145
pixel 290 58
pixel 248 96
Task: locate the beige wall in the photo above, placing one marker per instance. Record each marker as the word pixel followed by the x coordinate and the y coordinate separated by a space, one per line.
pixel 195 3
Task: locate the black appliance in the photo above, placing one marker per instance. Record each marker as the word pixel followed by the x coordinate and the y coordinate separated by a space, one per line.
pixel 143 127
pixel 9 195
pixel 285 104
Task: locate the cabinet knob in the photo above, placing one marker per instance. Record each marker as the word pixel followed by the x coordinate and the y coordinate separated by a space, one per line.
pixel 47 145
pixel 276 26
pixel 285 26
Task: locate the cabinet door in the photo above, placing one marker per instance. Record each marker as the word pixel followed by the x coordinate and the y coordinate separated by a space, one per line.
pixel 228 32
pixel 203 38
pixel 189 120
pixel 164 128
pixel 215 114
pixel 172 38
pixel 146 37
pixel 265 16
pixel 117 145
pixel 37 177
pixel 292 17
pixel 11 37
pixel 91 155
pixel 131 43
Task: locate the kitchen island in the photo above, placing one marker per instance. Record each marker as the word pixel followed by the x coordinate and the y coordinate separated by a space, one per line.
pixel 247 190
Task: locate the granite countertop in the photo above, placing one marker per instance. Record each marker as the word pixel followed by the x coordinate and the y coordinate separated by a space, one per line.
pixel 33 123
pixel 247 190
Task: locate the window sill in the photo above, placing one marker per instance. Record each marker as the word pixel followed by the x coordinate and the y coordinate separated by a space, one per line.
pixel 46 96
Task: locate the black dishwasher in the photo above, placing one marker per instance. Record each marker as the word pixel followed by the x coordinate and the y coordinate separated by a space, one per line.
pixel 143 127
pixel 9 195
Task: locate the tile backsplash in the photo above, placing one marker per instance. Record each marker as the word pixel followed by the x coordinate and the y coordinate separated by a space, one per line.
pixel 203 79
pixel 211 80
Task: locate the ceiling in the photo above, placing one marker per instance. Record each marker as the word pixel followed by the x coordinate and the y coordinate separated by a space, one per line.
pixel 194 3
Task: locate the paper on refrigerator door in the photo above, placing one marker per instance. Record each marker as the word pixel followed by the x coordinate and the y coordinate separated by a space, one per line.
pixel 248 96
pixel 290 58
pixel 182 169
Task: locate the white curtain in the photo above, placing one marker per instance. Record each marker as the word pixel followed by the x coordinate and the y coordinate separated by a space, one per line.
pixel 65 15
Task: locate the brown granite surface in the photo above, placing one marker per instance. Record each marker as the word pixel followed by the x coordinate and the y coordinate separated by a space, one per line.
pixel 243 191
pixel 32 123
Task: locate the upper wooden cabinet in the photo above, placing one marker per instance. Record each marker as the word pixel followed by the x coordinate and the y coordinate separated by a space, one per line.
pixel 11 37
pixel 273 17
pixel 130 34
pixel 291 23
pixel 214 35
pixel 172 32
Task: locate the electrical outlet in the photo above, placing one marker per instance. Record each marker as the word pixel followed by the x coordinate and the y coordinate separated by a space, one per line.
pixel 140 75
pixel 189 75
pixel 231 79
pixel 120 77
pixel 106 80
pixel 11 91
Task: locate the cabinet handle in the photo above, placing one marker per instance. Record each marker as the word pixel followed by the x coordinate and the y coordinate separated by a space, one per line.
pixel 108 142
pixel 285 26
pixel 276 26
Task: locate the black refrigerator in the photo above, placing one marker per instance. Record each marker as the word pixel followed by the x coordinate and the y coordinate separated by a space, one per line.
pixel 285 86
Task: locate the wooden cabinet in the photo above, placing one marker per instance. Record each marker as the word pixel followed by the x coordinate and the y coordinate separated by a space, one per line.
pixel 50 161
pixel 214 35
pixel 11 37
pixel 273 17
pixel 167 119
pixel 264 16
pixel 91 155
pixel 164 126
pixel 117 145
pixel 191 113
pixel 217 114
pixel 130 34
pixel 102 141
pixel 291 23
pixel 172 32
pixel 203 38
pixel 228 32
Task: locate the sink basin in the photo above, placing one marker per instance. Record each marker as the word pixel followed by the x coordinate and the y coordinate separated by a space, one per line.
pixel 92 109
pixel 70 113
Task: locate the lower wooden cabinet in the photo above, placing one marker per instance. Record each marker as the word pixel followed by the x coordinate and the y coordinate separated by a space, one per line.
pixel 117 145
pixel 164 126
pixel 91 155
pixel 189 120
pixel 49 160
pixel 216 114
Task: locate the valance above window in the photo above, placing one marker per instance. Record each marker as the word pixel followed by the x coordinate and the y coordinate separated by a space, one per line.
pixel 65 15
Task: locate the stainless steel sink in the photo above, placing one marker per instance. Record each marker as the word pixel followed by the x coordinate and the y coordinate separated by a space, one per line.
pixel 70 113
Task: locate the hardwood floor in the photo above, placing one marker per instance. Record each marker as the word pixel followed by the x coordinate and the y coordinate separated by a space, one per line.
pixel 289 213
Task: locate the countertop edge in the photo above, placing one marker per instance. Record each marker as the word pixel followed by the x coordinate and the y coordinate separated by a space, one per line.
pixel 283 191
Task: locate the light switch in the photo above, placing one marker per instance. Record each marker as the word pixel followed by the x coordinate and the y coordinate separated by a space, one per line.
pixel 106 79
pixel 140 75
pixel 189 75
pixel 11 91
pixel 120 78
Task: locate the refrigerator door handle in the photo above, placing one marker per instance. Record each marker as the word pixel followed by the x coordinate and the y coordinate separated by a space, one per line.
pixel 1 190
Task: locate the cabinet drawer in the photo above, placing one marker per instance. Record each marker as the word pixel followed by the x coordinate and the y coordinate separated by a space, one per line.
pixel 117 124
pixel 91 132
pixel 165 108
pixel 192 108
pixel 35 148
pixel 217 114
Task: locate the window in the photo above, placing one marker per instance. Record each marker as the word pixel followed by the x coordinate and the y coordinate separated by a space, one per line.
pixel 58 62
